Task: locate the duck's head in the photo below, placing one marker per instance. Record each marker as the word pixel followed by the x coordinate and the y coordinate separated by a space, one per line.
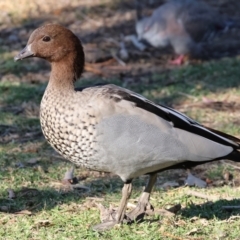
pixel 56 44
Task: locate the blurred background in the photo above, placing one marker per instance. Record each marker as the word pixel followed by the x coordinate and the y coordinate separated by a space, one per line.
pixel 207 91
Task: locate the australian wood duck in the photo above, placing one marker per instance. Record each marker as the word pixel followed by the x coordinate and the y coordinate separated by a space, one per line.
pixel 112 129
pixel 183 25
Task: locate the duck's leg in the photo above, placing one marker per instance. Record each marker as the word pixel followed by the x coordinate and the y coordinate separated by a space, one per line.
pixel 143 203
pixel 119 216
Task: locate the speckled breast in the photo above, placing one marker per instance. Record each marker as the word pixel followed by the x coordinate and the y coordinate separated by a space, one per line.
pixel 71 133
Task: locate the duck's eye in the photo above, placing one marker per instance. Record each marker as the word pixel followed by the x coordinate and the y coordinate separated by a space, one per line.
pixel 46 39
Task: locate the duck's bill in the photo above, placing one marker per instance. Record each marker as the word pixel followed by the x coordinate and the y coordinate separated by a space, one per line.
pixel 25 53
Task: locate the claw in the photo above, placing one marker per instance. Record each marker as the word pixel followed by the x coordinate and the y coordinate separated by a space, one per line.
pixel 111 217
pixel 143 206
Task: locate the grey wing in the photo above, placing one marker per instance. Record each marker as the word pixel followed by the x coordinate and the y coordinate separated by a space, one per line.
pixel 135 140
pixel 132 146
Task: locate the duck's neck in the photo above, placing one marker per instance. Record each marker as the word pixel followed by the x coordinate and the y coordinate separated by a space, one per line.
pixel 62 77
pixel 64 73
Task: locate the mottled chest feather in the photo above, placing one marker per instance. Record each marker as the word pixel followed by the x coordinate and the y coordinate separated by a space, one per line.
pixel 69 128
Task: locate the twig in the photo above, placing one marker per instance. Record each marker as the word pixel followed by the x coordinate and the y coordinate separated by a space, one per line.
pixel 204 196
pixel 121 62
pixel 228 220
pixel 96 23
pixel 98 68
pixel 201 195
pixel 95 199
pixel 112 40
pixel 169 235
pixel 229 164
pixel 162 212
pixel 187 95
pixel 119 68
pixel 53 156
pixel 123 51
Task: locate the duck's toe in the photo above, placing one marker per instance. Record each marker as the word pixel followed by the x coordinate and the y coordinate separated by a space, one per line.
pixel 143 207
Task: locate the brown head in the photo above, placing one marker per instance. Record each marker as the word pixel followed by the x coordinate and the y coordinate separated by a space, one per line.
pixel 56 44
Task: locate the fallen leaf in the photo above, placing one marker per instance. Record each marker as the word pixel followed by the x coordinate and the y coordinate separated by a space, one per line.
pixel 106 214
pixel 208 180
pixel 227 176
pixel 204 221
pixel 43 223
pixel 194 181
pixel 24 212
pixel 192 232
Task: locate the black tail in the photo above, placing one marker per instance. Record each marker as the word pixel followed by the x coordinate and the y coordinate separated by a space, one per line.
pixel 233 156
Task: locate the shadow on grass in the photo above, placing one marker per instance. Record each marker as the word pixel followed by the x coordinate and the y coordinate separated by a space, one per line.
pixel 212 210
pixel 36 200
pixel 107 187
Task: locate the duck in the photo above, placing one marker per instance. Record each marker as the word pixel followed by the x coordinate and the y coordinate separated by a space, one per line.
pixel 112 129
pixel 185 25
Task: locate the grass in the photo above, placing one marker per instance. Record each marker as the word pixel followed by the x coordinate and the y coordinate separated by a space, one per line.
pixel 50 211
pixel 44 208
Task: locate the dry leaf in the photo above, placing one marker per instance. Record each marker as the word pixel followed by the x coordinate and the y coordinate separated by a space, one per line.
pixel 194 181
pixel 43 223
pixel 204 221
pixel 24 212
pixel 105 213
pixel 193 231
pixel 193 219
